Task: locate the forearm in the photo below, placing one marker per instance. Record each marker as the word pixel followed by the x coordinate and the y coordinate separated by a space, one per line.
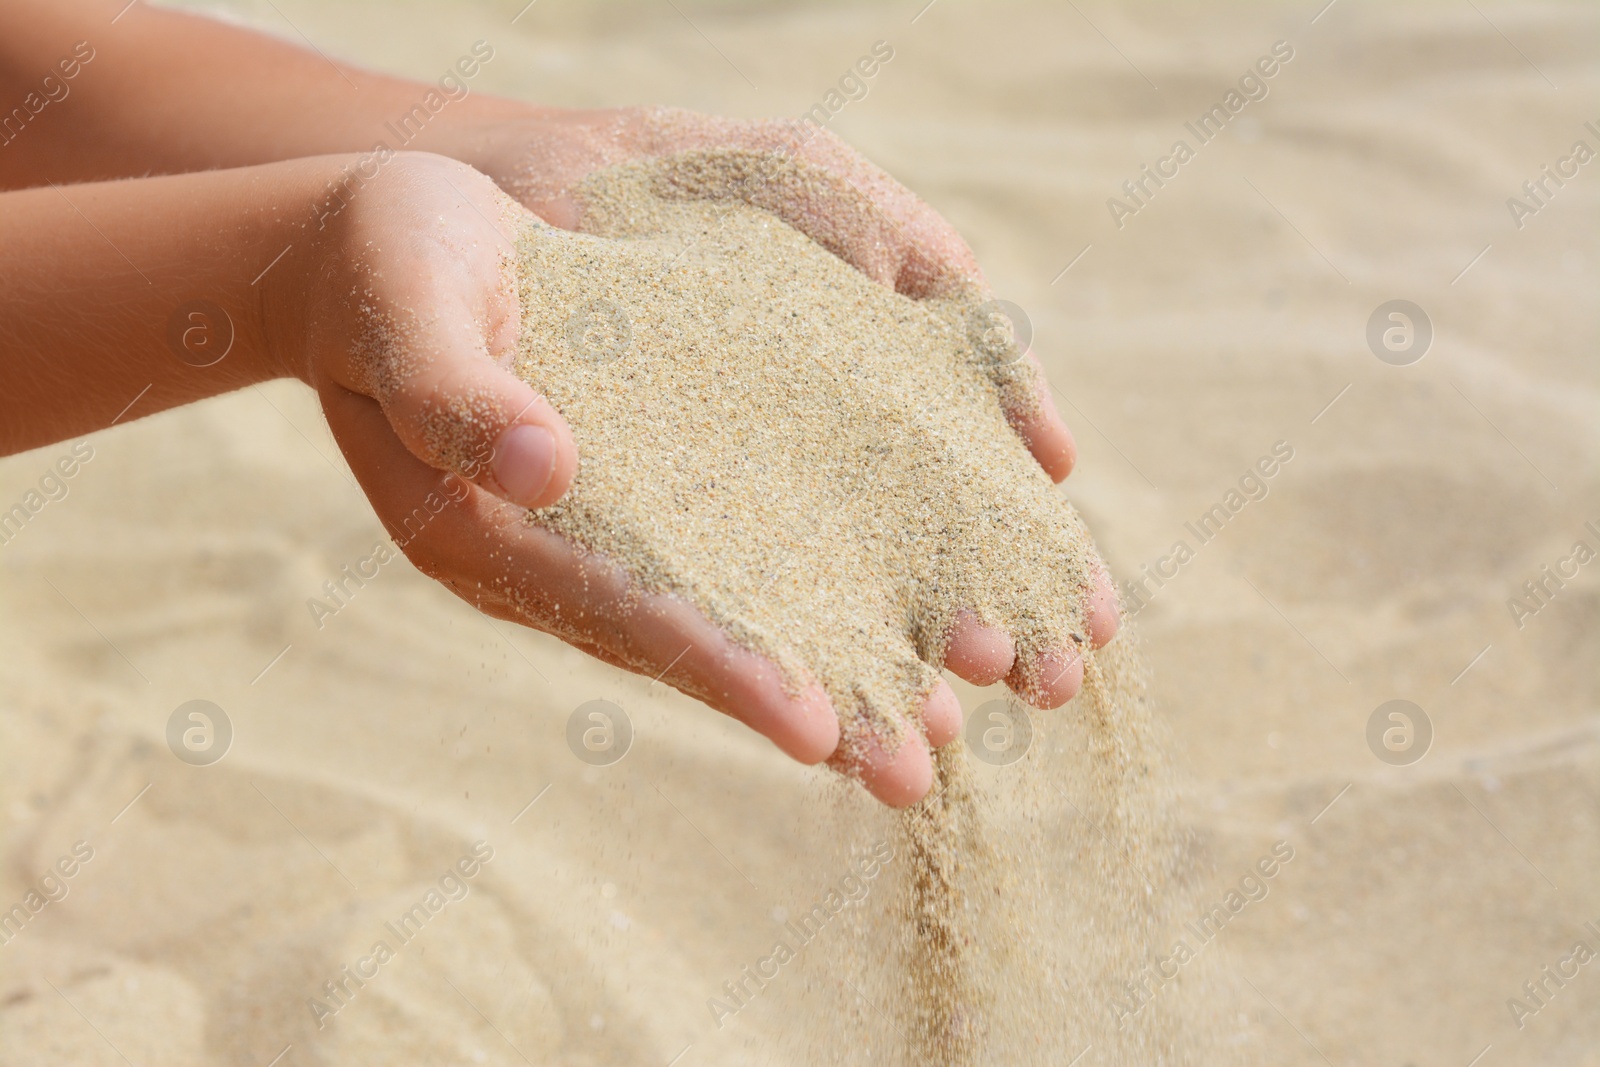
pixel 164 289
pixel 167 93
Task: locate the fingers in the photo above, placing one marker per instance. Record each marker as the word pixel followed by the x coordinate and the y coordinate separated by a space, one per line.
pixel 1052 679
pixel 694 656
pixel 934 260
pixel 977 653
pixel 464 413
pixel 1103 617
pixel 846 204
pixel 984 655
pixel 941 715
pixel 1048 680
pixel 1044 432
pixel 898 777
pixel 859 211
pixel 748 687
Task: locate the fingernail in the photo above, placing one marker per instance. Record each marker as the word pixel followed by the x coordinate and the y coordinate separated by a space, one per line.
pixel 524 459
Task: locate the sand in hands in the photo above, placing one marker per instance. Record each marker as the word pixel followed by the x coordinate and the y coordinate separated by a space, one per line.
pixel 819 464
pixel 825 468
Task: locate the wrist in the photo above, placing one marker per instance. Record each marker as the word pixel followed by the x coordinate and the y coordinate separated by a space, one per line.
pixel 278 235
pixel 312 200
pixel 345 225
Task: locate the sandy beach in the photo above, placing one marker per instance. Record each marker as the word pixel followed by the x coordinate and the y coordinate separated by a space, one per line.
pixel 1417 540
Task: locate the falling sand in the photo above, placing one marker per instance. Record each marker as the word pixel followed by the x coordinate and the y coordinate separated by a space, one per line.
pixel 824 467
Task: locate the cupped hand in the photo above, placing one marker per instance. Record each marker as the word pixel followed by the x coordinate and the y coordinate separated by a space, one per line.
pixel 409 346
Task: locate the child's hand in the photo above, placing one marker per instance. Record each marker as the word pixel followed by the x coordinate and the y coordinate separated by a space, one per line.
pixel 442 404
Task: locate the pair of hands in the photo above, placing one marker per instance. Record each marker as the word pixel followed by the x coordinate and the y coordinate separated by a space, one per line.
pixel 408 338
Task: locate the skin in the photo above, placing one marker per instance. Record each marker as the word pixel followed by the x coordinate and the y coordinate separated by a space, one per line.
pixel 192 160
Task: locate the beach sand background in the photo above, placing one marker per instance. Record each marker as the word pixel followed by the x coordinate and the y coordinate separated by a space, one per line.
pixel 1225 316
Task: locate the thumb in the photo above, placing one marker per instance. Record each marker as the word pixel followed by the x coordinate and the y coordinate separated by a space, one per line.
pixel 431 324
pixel 461 411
